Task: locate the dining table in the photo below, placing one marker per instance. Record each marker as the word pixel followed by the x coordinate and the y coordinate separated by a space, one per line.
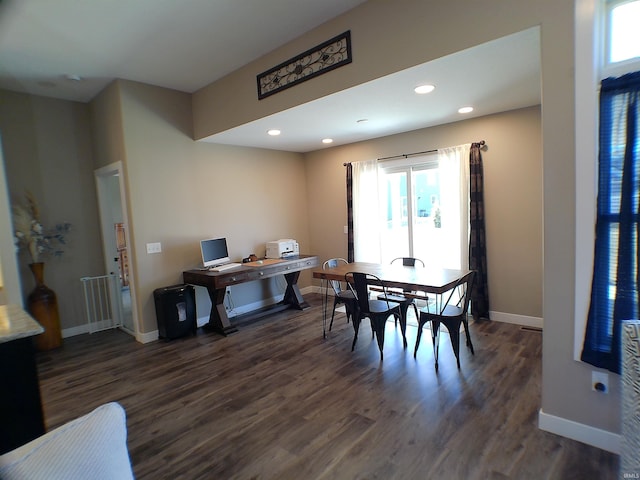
pixel 426 280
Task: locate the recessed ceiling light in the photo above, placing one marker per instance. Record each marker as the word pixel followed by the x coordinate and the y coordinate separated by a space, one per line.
pixel 73 77
pixel 422 89
pixel 327 140
pixel 274 132
pixel 465 110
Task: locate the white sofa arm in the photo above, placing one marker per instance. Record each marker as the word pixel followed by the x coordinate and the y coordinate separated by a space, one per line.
pixel 93 446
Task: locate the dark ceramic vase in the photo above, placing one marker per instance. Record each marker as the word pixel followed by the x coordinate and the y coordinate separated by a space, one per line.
pixel 43 306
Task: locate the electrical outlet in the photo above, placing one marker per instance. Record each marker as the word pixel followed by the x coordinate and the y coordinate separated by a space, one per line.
pixel 600 382
pixel 154 247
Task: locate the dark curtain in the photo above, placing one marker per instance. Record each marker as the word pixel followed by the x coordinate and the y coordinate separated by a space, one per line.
pixel 477 243
pixel 350 250
pixel 614 286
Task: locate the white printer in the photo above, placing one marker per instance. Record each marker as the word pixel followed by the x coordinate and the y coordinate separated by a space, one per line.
pixel 285 247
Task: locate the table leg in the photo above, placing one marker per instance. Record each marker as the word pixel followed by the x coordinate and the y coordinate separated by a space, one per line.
pixel 292 295
pixel 218 319
pixel 325 285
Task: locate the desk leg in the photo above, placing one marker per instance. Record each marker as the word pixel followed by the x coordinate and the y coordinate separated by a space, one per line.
pixel 218 319
pixel 292 295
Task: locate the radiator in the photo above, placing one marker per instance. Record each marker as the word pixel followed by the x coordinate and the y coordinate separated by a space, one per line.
pixel 630 444
pixel 103 302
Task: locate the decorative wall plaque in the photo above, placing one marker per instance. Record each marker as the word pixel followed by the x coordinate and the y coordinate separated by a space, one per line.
pixel 318 60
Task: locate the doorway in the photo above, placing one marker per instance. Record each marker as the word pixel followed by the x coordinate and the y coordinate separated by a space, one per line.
pixel 112 204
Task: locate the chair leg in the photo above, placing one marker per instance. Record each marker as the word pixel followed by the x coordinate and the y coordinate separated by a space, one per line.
pixel 379 324
pixel 466 331
pixel 435 328
pixel 356 326
pixel 454 333
pixel 403 325
pixel 415 309
pixel 420 325
pixel 335 304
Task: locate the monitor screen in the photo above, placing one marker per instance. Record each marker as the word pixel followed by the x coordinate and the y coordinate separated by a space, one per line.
pixel 214 251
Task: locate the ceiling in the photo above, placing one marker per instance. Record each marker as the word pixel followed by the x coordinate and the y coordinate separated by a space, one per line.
pixel 72 49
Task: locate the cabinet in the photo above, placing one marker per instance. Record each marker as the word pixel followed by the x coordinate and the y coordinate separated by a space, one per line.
pixel 21 416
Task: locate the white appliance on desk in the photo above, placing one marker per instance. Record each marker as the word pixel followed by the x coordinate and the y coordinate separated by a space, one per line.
pixel 285 247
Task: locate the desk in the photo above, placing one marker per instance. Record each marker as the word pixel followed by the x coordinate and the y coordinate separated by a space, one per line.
pixel 429 280
pixel 217 282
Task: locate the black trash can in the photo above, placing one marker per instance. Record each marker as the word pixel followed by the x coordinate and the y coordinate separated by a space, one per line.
pixel 175 311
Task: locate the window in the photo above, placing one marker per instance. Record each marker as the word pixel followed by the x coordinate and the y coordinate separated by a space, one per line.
pixel 614 292
pixel 411 214
pixel 413 207
pixel 621 39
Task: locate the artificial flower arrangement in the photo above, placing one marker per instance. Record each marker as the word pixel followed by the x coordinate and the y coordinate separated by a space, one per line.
pixel 32 236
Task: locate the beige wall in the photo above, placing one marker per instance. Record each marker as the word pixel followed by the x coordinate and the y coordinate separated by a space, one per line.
pixel 47 150
pixel 387 36
pixel 106 119
pixel 513 197
pixel 181 191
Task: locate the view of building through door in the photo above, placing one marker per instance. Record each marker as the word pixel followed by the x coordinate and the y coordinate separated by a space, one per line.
pixel 411 214
pixel 123 256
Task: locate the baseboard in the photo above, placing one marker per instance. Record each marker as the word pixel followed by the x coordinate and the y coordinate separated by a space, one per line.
pixel 148 337
pixel 524 320
pixel 82 329
pixel 73 331
pixel 595 437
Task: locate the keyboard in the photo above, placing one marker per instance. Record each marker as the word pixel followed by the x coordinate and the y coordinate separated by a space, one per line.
pixel 226 266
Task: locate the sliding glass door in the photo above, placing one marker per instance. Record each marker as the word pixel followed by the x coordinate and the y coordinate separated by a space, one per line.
pixel 410 214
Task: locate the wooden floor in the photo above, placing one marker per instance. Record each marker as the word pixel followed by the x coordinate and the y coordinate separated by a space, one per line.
pixel 276 401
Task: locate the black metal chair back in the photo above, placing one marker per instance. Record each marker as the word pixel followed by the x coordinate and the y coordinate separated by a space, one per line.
pixel 333 263
pixel 376 310
pixel 408 261
pixel 451 315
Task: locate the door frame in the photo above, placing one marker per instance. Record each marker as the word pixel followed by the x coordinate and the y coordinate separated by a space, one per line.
pixel 101 174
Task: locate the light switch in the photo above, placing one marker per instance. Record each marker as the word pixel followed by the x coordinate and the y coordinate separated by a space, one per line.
pixel 154 247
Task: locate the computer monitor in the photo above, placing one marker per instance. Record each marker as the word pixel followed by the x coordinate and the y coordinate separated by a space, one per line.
pixel 214 252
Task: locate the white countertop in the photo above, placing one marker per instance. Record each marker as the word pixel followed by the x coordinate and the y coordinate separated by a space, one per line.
pixel 15 323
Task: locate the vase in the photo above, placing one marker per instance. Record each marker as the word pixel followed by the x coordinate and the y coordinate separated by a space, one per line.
pixel 43 306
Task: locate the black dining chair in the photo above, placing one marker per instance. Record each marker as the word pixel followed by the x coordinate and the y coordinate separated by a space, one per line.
pixel 340 295
pixel 451 316
pixel 376 310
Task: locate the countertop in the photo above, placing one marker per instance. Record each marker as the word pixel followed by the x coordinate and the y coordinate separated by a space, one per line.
pixel 15 323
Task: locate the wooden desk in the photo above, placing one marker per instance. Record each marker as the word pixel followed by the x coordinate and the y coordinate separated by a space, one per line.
pixel 429 280
pixel 217 282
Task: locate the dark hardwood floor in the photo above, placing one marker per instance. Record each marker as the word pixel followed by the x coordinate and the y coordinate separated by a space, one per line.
pixel 276 401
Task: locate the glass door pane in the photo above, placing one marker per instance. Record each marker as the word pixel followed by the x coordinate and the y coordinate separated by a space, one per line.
pixel 395 212
pixel 426 238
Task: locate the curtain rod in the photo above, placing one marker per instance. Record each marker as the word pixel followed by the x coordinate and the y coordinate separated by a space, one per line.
pixel 481 143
